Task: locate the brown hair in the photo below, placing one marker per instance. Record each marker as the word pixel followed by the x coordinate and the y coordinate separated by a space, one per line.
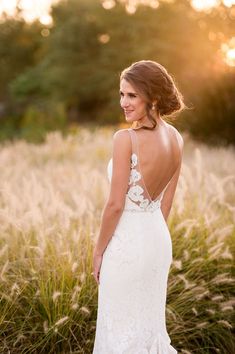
pixel 154 83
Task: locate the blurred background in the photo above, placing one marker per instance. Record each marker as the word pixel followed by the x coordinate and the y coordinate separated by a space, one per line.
pixel 59 107
pixel 61 60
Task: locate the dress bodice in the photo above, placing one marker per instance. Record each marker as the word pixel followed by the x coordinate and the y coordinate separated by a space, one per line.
pixel 137 197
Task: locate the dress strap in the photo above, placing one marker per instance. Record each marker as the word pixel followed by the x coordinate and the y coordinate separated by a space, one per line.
pixel 133 140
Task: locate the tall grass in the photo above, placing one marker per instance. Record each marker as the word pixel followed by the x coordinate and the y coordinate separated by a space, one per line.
pixel 51 197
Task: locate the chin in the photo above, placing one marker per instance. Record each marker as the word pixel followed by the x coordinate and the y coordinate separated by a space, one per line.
pixel 130 120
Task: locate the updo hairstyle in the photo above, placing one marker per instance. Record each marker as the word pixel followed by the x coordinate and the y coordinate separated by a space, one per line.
pixel 154 84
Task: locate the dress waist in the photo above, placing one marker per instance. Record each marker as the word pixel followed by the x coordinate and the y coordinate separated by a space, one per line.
pixel 132 207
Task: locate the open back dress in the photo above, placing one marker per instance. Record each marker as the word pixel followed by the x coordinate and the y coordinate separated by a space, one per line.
pixel 134 273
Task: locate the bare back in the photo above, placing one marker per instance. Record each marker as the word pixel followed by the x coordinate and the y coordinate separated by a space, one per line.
pixel 159 155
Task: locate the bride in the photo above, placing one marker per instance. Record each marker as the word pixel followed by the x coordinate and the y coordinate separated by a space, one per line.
pixel 133 252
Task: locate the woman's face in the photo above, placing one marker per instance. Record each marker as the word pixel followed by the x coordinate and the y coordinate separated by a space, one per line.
pixel 131 102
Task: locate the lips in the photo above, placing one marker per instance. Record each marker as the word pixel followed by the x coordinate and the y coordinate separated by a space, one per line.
pixel 127 112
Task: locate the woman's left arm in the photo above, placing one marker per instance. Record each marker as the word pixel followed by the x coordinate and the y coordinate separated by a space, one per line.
pixel 114 206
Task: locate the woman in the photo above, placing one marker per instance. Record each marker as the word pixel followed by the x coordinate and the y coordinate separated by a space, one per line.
pixel 133 253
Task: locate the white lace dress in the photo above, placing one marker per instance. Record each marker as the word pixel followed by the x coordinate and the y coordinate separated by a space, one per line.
pixel 133 275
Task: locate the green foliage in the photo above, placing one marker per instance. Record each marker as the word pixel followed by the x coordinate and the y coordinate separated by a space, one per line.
pixel 79 62
pixel 40 119
pixel 29 85
pixel 212 119
pixel 20 45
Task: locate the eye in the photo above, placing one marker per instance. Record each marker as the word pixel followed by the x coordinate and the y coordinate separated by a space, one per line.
pixel 121 94
pixel 132 95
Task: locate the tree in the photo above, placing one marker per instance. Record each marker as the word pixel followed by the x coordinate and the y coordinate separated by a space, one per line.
pixel 79 62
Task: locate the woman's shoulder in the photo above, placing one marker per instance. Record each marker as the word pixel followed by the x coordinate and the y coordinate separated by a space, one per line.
pixel 122 134
pixel 122 138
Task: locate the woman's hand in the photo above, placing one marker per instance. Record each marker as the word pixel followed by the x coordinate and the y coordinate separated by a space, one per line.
pixel 97 261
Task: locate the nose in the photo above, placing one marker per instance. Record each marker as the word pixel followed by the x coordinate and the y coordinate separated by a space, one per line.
pixel 124 102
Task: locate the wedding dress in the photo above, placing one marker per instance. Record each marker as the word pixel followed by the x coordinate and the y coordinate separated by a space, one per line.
pixel 133 275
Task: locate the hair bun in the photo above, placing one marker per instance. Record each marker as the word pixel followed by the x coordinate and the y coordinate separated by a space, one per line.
pixel 153 81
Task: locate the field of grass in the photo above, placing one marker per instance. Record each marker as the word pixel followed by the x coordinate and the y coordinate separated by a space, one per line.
pixel 51 198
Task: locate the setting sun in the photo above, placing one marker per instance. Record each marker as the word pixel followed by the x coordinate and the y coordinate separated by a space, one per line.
pixel 228 50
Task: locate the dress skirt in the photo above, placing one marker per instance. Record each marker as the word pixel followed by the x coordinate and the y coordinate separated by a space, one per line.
pixel 133 287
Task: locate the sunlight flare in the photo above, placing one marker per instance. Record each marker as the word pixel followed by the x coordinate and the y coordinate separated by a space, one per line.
pixel 204 5
pixel 8 6
pixel 31 10
pixel 229 3
pixel 228 50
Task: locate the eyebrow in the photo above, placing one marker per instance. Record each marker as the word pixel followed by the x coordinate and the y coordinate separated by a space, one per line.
pixel 129 93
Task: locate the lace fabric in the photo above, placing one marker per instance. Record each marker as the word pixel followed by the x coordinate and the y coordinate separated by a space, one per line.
pixel 136 192
pixel 137 197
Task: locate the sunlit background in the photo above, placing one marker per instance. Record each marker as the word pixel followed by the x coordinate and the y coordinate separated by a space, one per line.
pixel 49 45
pixel 31 9
pixel 59 108
pixel 34 9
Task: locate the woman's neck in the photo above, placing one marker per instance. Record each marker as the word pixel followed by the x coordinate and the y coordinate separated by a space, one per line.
pixel 145 123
